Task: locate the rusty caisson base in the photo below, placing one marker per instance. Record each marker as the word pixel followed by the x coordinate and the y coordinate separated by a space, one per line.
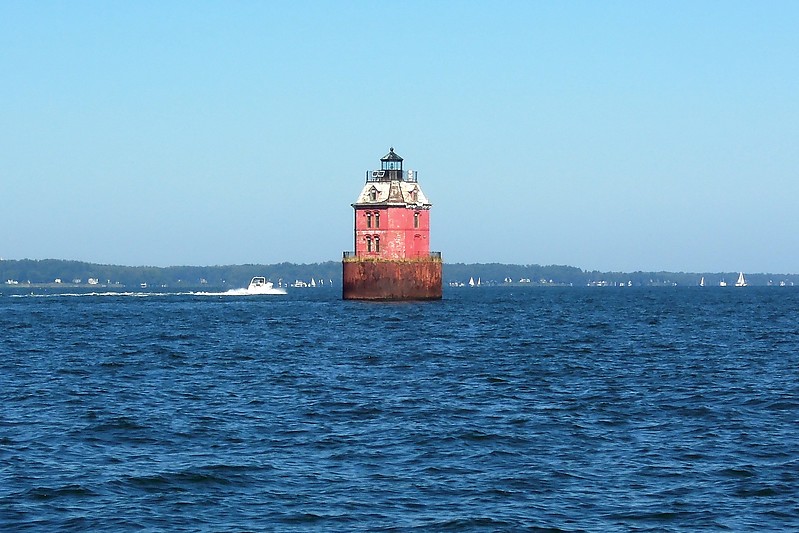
pixel 369 279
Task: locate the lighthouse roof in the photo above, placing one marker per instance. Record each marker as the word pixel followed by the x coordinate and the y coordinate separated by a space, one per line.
pixel 394 192
pixel 391 156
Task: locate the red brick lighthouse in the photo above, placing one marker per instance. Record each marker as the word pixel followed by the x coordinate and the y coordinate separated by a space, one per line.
pixel 392 258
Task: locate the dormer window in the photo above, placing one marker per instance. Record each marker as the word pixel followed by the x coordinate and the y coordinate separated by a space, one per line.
pixel 414 194
pixel 373 194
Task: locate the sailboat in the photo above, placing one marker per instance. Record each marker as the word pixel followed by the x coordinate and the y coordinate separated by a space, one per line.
pixel 471 282
pixel 702 282
pixel 741 280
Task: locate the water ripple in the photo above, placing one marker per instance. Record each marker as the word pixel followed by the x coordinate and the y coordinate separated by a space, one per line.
pixel 539 410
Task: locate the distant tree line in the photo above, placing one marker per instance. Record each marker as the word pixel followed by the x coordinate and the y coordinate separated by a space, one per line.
pixel 229 276
pixel 499 274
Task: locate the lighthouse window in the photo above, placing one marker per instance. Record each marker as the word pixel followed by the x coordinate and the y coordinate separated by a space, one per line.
pixel 416 220
pixel 377 244
pixel 368 244
pixel 377 220
pixel 368 220
pixel 373 195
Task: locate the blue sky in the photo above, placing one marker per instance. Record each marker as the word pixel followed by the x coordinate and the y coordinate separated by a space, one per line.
pixel 603 135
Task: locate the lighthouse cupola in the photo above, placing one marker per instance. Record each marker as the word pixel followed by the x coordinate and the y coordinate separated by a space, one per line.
pixel 391 166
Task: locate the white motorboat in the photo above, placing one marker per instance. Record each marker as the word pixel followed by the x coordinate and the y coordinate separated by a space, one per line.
pixel 259 285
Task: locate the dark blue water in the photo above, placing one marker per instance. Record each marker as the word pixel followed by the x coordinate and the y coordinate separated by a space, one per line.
pixel 572 409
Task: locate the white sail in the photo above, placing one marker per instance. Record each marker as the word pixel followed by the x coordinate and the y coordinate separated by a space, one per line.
pixel 741 280
pixel 702 282
pixel 471 282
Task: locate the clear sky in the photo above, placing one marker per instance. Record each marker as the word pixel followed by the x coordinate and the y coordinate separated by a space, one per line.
pixel 603 135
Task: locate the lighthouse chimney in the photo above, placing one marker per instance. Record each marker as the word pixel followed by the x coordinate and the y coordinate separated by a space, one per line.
pixel 392 258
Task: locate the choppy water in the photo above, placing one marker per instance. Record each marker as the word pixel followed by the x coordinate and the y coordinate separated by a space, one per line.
pixel 494 409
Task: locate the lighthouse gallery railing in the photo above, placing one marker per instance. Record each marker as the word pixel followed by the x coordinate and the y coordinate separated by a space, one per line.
pixel 373 255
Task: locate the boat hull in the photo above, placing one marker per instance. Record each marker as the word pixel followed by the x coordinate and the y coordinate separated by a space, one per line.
pixel 368 279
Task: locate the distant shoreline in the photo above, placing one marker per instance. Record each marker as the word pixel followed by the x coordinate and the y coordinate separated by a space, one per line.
pixel 31 273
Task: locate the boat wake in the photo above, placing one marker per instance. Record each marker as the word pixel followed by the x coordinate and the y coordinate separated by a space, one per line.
pixel 258 286
pixel 127 294
pixel 237 292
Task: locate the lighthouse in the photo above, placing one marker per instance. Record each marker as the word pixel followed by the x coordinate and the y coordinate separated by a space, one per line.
pixel 392 258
